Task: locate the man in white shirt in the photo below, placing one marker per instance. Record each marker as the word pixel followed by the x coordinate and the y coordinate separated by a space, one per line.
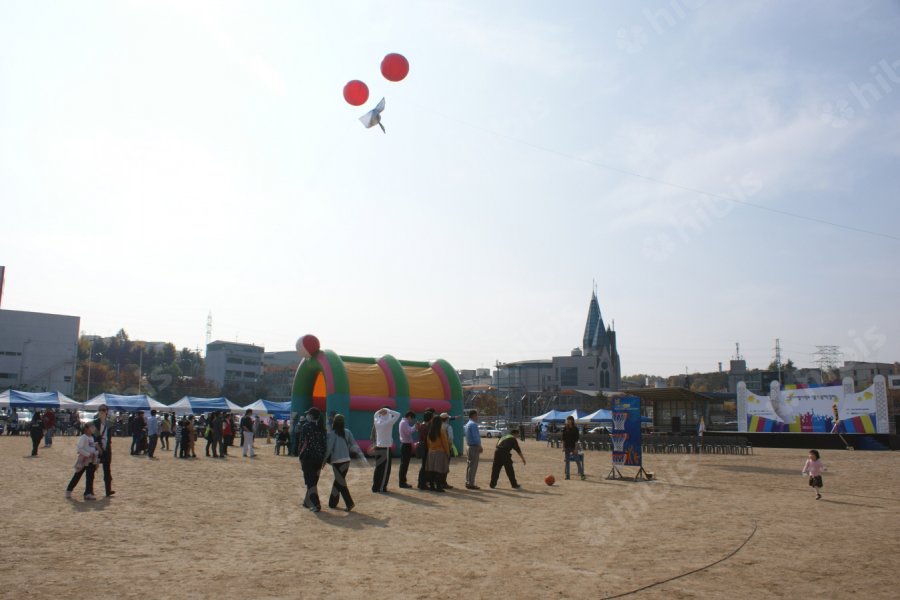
pixel 383 425
pixel 407 428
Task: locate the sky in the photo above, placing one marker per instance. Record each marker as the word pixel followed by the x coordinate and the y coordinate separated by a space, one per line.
pixel 726 172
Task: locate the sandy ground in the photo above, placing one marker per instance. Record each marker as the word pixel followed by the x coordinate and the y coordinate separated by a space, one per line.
pixel 209 528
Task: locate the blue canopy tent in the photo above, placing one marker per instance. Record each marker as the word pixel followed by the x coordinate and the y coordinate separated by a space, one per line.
pixel 124 403
pixel 191 405
pixel 558 416
pixel 600 416
pixel 38 400
pixel 279 410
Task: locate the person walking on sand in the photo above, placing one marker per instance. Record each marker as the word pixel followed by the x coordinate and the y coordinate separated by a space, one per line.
pixel 814 468
pixel 340 448
pixel 503 459
pixel 49 427
pixel 570 438
pixel 473 450
pixel 86 463
pixel 103 437
pixel 407 429
pixel 36 428
pixel 247 434
pixel 384 420
pixel 312 456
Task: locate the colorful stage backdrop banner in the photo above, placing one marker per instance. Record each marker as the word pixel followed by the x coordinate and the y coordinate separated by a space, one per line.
pixel 811 410
pixel 626 436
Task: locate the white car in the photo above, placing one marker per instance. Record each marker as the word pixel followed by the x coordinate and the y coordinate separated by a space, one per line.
pixel 489 432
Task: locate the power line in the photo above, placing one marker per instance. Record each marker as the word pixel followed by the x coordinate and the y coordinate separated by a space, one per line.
pixel 677 186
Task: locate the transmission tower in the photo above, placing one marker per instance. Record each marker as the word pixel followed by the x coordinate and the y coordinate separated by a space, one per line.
pixel 778 357
pixel 828 357
pixel 209 327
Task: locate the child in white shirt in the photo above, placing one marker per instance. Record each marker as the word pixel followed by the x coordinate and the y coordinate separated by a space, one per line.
pixel 87 460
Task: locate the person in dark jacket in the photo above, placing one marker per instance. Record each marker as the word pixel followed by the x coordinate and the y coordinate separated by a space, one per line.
pixel 103 437
pixel 570 438
pixel 312 456
pixel 37 431
pixel 503 459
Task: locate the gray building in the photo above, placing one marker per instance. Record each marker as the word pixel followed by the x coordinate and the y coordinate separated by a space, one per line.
pixel 38 351
pixel 863 373
pixel 278 374
pixel 234 363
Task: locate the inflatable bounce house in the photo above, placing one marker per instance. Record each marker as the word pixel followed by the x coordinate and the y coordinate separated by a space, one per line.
pixel 357 387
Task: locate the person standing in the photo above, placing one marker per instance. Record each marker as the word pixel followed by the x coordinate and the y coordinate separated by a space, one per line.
pixel 340 447
pixel 247 434
pixel 191 437
pixel 570 437
pixel 214 435
pixel 137 432
pixel 85 463
pixel 227 435
pixel 152 433
pixel 312 456
pixel 383 425
pixel 103 437
pixel 422 447
pixel 36 428
pixel 473 450
pixel 438 462
pixel 179 433
pixel 49 427
pixel 407 429
pixel 165 429
pixel 451 451
pixel 503 459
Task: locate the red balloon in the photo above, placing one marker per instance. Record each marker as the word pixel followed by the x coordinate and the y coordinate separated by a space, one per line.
pixel 394 67
pixel 356 92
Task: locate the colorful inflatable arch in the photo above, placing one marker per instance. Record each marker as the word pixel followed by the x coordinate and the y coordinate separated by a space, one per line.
pixel 357 387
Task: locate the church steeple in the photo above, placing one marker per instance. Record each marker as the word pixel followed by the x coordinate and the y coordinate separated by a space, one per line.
pixel 595 334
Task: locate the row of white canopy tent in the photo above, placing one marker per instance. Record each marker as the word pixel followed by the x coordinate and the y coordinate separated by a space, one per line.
pixel 581 417
pixel 185 406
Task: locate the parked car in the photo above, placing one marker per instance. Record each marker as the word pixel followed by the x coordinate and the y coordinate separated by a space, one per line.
pixel 489 432
pixel 599 430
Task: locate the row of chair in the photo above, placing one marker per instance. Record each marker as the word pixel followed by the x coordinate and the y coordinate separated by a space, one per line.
pixel 665 444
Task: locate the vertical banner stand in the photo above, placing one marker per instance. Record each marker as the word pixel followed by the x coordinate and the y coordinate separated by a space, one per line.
pixel 626 439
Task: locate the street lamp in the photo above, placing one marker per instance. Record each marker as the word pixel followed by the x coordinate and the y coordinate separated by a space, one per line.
pixel 87 394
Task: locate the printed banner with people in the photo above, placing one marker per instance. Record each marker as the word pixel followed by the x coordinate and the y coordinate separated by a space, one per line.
pixel 814 409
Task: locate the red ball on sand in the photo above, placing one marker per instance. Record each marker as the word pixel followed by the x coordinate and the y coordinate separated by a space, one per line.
pixel 308 346
pixel 356 92
pixel 394 67
pixel 549 479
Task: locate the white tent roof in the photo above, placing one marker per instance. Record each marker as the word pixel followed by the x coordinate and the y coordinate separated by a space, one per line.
pixel 124 403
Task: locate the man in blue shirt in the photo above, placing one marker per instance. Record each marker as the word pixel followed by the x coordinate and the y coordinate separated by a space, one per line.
pixel 473 452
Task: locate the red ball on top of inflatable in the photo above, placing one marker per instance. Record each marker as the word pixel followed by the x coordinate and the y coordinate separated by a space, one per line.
pixel 308 346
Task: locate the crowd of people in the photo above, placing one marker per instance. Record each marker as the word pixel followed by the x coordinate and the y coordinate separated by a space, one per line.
pixel 430 441
pixel 315 440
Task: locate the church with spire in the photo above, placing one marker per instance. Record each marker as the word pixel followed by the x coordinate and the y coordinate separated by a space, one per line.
pixel 591 368
pixel 595 365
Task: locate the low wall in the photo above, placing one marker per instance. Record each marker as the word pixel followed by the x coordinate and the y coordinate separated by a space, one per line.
pixel 827 441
